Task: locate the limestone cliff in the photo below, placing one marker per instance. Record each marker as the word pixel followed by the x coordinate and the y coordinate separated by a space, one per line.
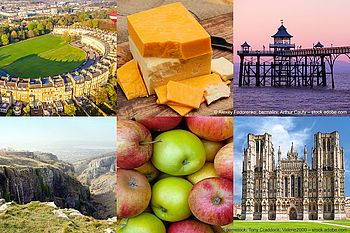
pixel 99 174
pixel 25 179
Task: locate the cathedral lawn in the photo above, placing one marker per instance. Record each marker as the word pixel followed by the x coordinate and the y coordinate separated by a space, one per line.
pixel 286 227
pixel 41 56
pixel 340 222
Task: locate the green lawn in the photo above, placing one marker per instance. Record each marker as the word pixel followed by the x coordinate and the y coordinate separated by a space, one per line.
pixel 341 222
pixel 285 227
pixel 42 56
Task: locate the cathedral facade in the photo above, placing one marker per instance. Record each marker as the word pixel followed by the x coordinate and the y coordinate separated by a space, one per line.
pixel 291 188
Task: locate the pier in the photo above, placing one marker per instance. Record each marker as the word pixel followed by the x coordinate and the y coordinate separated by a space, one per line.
pixel 285 65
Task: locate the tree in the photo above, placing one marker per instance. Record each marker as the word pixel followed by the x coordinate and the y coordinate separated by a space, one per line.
pixel 36 32
pixel 31 26
pixel 95 23
pixel 40 28
pixel 88 23
pixel 113 81
pixel 31 33
pixel 70 109
pixel 26 110
pixel 14 35
pixel 4 39
pixel 101 96
pixel 66 37
pixel 49 26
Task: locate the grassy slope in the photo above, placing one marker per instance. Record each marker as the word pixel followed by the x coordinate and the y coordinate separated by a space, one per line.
pixel 39 57
pixel 37 217
pixel 286 227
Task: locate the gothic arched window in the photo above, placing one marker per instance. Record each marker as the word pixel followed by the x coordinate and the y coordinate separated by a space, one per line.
pixel 299 187
pixel 285 186
pixel 292 186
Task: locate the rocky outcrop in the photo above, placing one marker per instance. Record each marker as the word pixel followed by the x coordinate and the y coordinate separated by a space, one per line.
pixel 100 175
pixel 23 180
pixel 93 168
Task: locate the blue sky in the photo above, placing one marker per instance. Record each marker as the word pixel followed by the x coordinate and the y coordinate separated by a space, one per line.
pixel 58 135
pixel 286 130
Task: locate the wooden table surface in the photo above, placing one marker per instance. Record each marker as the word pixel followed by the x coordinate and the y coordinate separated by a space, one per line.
pixel 140 107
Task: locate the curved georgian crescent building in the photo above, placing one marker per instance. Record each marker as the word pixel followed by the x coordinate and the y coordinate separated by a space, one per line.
pixel 291 189
pixel 82 81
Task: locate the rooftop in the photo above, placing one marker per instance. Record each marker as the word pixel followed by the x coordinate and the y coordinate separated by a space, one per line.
pixel 282 32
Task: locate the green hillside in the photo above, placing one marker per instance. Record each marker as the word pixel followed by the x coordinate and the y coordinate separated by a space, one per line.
pixel 38 217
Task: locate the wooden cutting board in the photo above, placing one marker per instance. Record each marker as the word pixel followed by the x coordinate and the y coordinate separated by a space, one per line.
pixel 221 26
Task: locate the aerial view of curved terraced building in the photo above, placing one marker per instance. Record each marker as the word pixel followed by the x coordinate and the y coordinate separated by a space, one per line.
pixel 84 80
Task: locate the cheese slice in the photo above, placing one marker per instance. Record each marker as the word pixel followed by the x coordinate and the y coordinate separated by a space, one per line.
pixel 168 31
pixel 130 80
pixel 158 71
pixel 216 92
pixel 203 81
pixel 223 67
pixel 184 94
pixel 182 110
pixel 199 82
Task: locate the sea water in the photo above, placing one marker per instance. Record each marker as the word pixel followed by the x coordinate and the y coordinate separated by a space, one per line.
pixel 294 100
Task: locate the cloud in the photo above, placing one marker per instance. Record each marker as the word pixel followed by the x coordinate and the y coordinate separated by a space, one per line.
pixel 284 131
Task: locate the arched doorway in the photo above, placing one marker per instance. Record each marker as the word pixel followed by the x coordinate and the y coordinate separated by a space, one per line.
pixel 292 214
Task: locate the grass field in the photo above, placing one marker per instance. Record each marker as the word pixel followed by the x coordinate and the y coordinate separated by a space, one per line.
pixel 42 56
pixel 285 227
pixel 341 222
pixel 37 217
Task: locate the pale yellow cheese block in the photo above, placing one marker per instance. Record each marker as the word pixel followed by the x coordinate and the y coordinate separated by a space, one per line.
pixel 223 67
pixel 216 92
pixel 159 71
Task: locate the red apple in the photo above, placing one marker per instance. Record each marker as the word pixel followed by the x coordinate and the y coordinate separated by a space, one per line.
pixel 223 162
pixel 218 229
pixel 134 146
pixel 211 128
pixel 160 124
pixel 211 201
pixel 133 193
pixel 189 226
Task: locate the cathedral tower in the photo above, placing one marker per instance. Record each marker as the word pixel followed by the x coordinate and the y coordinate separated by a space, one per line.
pixel 257 163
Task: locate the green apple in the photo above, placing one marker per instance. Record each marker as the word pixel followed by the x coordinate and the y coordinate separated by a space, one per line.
pixel 149 171
pixel 178 152
pixel 207 171
pixel 211 148
pixel 170 199
pixel 145 223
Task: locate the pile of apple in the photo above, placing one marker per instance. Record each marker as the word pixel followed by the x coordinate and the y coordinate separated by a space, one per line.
pixel 174 175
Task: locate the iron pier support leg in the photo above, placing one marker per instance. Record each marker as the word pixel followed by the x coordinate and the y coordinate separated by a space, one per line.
pixel 241 71
pixel 257 72
pixel 324 76
pixel 332 73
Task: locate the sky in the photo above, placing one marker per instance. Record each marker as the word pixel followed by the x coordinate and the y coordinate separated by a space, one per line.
pixel 255 21
pixel 62 136
pixel 284 131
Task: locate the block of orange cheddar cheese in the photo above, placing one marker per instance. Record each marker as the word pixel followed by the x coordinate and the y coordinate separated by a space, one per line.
pixel 184 94
pixel 168 31
pixel 130 80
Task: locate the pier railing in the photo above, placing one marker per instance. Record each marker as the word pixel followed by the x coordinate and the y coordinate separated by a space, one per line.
pixel 298 52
